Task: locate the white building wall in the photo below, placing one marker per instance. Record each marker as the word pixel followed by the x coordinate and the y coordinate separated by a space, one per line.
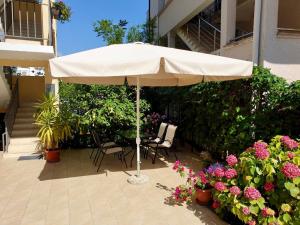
pixel 281 54
pixel 178 13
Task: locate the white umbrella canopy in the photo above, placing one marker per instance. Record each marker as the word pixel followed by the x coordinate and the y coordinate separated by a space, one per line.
pixel 155 65
pixel 146 65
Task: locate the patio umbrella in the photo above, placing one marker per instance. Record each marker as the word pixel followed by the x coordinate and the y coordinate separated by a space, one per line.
pixel 146 65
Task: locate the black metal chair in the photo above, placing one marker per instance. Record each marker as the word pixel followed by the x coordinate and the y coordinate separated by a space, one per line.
pixel 107 148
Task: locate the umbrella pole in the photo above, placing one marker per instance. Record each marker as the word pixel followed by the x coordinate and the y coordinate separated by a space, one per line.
pixel 138 178
pixel 138 139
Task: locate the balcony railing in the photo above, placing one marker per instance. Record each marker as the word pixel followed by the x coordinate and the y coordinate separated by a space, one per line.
pixel 22 19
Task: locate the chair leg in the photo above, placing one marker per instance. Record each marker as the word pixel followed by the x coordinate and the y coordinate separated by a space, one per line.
pixel 123 156
pixel 98 156
pixel 100 162
pixel 153 160
pixel 166 151
pixel 92 153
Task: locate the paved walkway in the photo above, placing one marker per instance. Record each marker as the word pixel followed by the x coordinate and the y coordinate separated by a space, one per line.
pixel 33 192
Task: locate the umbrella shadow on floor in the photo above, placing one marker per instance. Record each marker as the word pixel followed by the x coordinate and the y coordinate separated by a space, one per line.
pixel 77 163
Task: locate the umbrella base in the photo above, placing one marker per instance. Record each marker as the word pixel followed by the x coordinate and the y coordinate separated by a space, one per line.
pixel 142 179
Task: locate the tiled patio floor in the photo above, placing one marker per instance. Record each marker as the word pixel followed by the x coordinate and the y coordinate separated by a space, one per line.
pixel 33 192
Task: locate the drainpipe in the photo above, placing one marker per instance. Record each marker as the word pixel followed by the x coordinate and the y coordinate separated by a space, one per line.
pixel 256 58
pixel 149 18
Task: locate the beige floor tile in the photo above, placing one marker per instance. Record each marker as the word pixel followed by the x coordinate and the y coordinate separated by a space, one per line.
pixel 71 192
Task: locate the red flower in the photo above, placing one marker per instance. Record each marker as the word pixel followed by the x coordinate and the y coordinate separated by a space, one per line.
pixel 291 155
pixel 267 212
pixel 216 204
pixel 269 186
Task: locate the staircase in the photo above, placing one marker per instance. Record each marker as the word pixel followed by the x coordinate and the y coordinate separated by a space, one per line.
pixel 23 140
pixel 201 37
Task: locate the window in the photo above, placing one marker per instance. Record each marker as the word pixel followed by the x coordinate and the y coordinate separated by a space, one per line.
pixel 289 15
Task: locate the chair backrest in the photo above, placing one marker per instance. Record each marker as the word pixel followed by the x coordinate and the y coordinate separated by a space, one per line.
pixel 170 133
pixel 161 131
pixel 96 138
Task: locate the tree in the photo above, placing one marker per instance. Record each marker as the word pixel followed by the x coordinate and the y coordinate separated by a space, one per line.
pixel 135 34
pixel 149 31
pixel 111 33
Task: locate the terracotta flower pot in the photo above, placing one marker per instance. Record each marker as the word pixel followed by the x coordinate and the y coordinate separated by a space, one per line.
pixel 52 156
pixel 203 197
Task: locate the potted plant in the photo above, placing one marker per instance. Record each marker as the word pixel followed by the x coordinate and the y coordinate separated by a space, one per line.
pixel 53 127
pixel 197 185
pixel 61 11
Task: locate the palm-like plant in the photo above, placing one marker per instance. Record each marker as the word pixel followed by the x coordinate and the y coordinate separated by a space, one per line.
pixel 53 124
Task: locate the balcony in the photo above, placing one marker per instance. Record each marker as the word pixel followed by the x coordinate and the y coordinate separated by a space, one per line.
pixel 23 19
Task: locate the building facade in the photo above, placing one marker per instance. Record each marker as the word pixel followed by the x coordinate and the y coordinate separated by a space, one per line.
pixel 27 40
pixel 266 32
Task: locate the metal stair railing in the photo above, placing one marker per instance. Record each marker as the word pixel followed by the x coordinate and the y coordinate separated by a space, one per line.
pixel 10 116
pixel 205 33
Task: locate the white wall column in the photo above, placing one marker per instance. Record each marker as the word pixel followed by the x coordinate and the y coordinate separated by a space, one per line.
pixel 171 39
pixel 228 21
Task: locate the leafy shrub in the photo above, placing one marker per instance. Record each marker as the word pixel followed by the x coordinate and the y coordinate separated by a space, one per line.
pixel 263 185
pixel 222 117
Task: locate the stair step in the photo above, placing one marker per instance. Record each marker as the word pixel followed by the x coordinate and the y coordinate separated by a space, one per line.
pixel 25 148
pixel 28 104
pixel 26 110
pixel 24 115
pixel 24 120
pixel 25 133
pixel 23 140
pixel 24 126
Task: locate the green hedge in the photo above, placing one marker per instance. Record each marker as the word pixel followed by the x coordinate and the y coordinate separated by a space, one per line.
pixel 229 116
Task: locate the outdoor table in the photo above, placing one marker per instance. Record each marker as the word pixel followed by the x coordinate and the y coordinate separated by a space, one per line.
pixel 130 137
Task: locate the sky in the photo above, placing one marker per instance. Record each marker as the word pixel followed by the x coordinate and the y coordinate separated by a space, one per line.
pixel 78 34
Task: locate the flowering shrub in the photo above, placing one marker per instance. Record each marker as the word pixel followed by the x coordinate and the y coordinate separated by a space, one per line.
pixel 153 121
pixel 262 186
pixel 194 181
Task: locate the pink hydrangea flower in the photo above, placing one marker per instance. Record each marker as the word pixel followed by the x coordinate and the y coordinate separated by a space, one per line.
pixel 290 170
pixel 231 160
pixel 262 153
pixel 252 193
pixel 289 143
pixel 235 190
pixel 230 173
pixel 203 177
pixel 216 204
pixel 260 144
pixel 220 186
pixel 267 212
pixel 252 222
pixel 246 211
pixel 291 155
pixel 269 186
pixel 219 172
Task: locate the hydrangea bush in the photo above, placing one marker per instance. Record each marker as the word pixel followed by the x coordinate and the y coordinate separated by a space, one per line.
pixel 262 186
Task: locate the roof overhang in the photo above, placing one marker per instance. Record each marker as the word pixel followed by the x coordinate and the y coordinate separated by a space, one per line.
pixel 25 54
